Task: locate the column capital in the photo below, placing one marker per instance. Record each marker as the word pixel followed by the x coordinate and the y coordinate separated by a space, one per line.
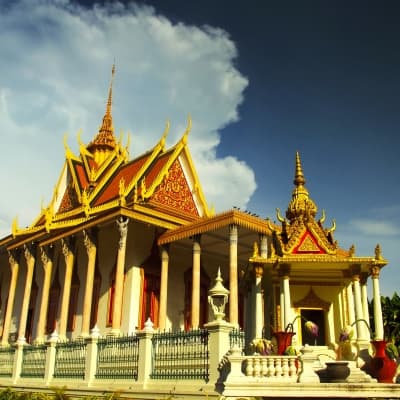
pixel 67 245
pixel 363 278
pixel 258 269
pixel 374 271
pixel 122 223
pixel 196 243
pixel 284 271
pixel 355 271
pixel 233 230
pixel 29 250
pixel 46 254
pixel 13 257
pixel 89 239
pixel 164 252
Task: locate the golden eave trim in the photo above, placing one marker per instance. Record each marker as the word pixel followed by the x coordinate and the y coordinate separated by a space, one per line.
pixel 325 258
pixel 160 176
pixel 176 221
pixel 232 217
pixel 198 187
pixel 152 156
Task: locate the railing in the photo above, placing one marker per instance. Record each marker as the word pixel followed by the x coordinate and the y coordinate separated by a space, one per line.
pixel 6 361
pixel 237 338
pixel 181 355
pixel 70 359
pixel 34 361
pixel 117 357
pixel 283 368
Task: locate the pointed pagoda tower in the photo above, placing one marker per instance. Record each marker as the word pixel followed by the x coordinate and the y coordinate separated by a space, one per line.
pixel 100 195
pixel 306 273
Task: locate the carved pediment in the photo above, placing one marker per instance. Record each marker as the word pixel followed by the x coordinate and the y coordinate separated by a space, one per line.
pixel 311 300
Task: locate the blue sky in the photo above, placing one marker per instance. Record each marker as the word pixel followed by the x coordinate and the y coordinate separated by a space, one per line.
pixel 260 82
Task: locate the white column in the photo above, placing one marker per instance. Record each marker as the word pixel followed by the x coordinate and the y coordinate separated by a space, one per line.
pixel 379 334
pixel 284 272
pixel 258 311
pixel 29 252
pixel 268 289
pixel 233 275
pixel 91 248
pixel 14 265
pixel 358 306
pixel 162 318
pixel 67 246
pixel 46 255
pixel 196 283
pixel 282 304
pixel 119 275
pixel 350 304
pixel 364 300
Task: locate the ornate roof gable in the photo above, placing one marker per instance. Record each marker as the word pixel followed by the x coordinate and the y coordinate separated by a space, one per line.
pixel 102 179
pixel 172 182
pixel 300 232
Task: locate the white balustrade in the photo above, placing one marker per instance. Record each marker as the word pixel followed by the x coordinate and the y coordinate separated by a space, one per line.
pixel 277 368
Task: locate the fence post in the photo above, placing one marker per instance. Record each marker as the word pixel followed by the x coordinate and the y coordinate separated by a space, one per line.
pixel 91 355
pixel 145 352
pixel 218 344
pixel 18 358
pixel 50 358
pixel 308 359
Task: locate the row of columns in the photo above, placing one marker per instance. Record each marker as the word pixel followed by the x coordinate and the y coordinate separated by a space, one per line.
pixel 358 303
pixel 196 281
pixel 46 253
pixel 90 242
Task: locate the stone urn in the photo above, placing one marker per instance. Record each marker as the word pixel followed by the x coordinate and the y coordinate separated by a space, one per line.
pixel 337 371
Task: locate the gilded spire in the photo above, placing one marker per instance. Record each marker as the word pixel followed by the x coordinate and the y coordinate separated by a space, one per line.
pixel 301 205
pixel 299 176
pixel 105 139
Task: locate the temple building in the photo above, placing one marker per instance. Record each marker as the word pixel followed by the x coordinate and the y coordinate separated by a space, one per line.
pixel 124 241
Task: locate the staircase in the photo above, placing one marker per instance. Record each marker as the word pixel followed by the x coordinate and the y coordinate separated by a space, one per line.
pixel 326 354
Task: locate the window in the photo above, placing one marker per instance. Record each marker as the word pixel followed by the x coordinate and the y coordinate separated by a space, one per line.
pixel 150 299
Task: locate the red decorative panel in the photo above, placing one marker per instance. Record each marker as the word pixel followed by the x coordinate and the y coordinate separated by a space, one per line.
pixel 69 200
pixel 174 191
pixel 308 245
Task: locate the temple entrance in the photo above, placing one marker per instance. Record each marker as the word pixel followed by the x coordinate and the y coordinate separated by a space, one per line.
pixel 318 317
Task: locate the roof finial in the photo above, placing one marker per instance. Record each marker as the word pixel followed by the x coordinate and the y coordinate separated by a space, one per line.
pixel 301 205
pixel 109 101
pixel 105 139
pixel 299 176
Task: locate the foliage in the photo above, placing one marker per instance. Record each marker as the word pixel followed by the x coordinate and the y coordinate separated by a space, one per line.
pixel 58 393
pixel 261 346
pixel 391 318
pixel 391 323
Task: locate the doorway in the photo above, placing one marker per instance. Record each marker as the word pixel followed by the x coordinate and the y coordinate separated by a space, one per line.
pixel 318 317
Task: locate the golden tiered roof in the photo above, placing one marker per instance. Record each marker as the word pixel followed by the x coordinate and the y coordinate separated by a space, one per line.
pixel 303 240
pixel 301 206
pixel 104 142
pixel 159 187
pixel 301 233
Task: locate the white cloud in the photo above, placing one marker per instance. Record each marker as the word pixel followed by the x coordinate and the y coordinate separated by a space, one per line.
pixel 375 228
pixel 56 61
